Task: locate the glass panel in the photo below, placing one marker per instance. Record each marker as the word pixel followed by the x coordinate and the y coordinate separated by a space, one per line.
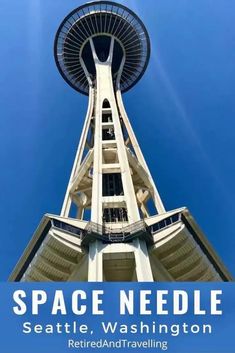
pixel 112 184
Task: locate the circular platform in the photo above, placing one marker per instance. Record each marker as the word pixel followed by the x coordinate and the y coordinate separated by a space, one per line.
pixel 100 20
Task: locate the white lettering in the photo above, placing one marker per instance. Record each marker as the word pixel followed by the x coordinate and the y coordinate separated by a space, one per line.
pixel 39 297
pixel 21 308
pixel 59 303
pixel 126 302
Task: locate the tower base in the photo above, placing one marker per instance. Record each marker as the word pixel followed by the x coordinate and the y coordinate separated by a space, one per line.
pixel 166 247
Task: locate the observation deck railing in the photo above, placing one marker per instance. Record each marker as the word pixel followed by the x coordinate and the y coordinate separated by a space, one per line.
pixel 124 234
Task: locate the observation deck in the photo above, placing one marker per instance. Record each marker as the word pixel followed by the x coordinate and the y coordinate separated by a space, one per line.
pixel 100 21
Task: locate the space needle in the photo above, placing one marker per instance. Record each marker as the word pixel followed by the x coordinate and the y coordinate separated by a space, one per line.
pixel 113 225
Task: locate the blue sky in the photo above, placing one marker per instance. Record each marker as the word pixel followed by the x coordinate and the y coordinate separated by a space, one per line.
pixel 186 97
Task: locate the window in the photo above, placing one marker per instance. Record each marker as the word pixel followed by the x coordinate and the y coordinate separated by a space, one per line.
pixel 112 184
pixel 107 118
pixel 108 134
pixel 165 222
pixel 115 215
pixel 106 104
pixel 67 227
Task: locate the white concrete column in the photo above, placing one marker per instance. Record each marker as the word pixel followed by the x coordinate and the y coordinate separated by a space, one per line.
pixel 156 197
pixel 105 90
pixel 143 268
pixel 77 162
pixel 95 262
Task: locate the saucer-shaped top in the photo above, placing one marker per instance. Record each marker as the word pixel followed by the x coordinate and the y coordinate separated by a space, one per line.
pixel 100 20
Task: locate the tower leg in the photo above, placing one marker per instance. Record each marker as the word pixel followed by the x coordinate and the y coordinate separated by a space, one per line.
pixel 143 268
pixel 95 262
